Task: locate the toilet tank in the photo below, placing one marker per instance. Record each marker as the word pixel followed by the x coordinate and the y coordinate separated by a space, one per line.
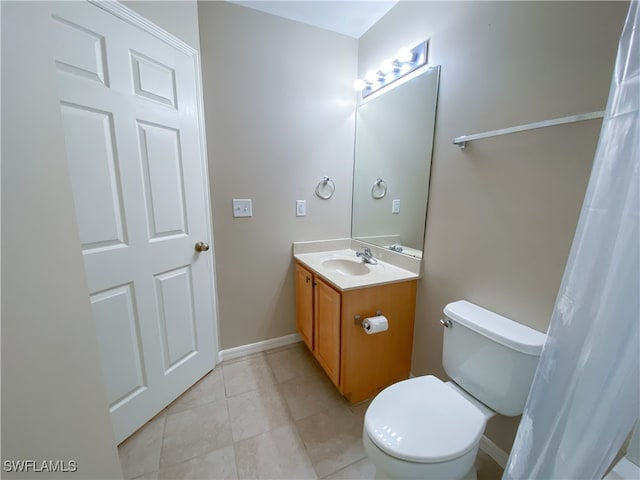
pixel 490 356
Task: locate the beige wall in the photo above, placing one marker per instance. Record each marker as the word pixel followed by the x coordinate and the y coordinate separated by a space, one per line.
pixel 279 109
pixel 502 213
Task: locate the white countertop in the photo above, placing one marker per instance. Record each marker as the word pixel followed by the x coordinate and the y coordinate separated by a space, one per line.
pixel 380 274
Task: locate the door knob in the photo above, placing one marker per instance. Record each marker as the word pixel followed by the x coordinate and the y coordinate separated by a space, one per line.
pixel 202 247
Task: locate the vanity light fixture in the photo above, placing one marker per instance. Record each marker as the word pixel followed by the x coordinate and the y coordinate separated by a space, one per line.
pixel 372 77
pixel 405 55
pixel 406 61
pixel 359 85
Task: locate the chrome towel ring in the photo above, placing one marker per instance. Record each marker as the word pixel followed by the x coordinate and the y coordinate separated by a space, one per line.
pixel 379 189
pixel 325 188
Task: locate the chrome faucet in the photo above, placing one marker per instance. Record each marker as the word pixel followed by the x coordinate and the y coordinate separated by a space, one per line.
pixel 396 247
pixel 367 256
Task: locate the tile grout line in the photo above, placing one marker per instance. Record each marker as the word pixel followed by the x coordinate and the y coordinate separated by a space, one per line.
pixel 278 388
pixel 185 410
pixel 290 413
pixel 344 468
pixel 293 421
pixel 227 398
pixel 164 427
pixel 233 442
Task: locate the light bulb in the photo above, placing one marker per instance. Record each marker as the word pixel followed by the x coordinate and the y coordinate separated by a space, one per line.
pixel 371 77
pixel 359 85
pixel 386 66
pixel 404 55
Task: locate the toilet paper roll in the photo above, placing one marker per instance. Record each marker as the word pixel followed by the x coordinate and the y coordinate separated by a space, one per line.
pixel 375 324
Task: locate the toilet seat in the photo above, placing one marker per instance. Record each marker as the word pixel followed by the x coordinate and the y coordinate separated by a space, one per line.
pixel 423 420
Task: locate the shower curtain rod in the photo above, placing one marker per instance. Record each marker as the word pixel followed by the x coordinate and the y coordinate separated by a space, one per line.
pixel 462 141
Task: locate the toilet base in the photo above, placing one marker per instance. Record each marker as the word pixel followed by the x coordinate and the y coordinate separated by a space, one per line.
pixel 391 468
pixel 471 475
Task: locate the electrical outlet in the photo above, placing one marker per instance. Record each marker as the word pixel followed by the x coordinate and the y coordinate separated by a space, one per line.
pixel 395 206
pixel 242 207
pixel 301 208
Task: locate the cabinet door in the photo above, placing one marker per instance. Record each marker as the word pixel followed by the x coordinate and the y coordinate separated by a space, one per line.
pixel 327 329
pixel 304 305
pixel 387 355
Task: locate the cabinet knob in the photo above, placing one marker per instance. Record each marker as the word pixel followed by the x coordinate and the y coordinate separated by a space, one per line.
pixel 308 279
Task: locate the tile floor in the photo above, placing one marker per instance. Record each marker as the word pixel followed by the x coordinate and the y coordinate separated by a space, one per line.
pixel 269 415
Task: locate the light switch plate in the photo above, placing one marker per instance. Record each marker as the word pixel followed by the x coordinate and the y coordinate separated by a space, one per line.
pixel 242 207
pixel 395 206
pixel 301 208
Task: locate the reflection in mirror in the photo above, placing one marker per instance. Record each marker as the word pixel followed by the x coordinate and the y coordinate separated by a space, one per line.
pixel 394 139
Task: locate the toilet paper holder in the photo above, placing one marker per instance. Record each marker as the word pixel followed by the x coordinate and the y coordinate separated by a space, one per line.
pixel 357 320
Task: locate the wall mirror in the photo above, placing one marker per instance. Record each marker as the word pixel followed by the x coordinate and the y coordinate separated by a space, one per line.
pixel 394 140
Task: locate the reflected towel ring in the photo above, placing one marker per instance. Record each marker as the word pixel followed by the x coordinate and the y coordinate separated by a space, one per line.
pixel 325 188
pixel 379 189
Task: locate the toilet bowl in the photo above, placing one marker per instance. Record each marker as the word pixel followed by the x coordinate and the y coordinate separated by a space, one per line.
pixel 424 428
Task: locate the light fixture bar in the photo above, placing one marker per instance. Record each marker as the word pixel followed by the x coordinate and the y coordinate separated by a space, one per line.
pixel 405 62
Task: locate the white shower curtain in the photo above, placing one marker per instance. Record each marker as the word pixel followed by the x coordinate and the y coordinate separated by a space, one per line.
pixel 585 395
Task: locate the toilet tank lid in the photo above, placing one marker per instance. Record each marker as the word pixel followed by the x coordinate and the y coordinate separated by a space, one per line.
pixel 501 329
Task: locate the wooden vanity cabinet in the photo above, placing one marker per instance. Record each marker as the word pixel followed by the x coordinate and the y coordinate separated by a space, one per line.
pixel 304 305
pixel 326 329
pixel 360 365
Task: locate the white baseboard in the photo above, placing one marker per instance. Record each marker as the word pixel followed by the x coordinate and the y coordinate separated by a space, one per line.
pixel 241 351
pixel 500 456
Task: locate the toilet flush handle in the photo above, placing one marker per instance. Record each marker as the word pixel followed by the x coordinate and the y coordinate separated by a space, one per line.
pixel 446 322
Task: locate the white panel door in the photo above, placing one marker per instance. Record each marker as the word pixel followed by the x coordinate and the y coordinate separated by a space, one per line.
pixel 130 111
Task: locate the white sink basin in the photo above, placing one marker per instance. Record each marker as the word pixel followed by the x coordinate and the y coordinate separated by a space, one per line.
pixel 346 266
pixel 344 270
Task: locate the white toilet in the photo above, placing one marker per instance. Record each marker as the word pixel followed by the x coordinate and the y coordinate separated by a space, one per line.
pixel 426 428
